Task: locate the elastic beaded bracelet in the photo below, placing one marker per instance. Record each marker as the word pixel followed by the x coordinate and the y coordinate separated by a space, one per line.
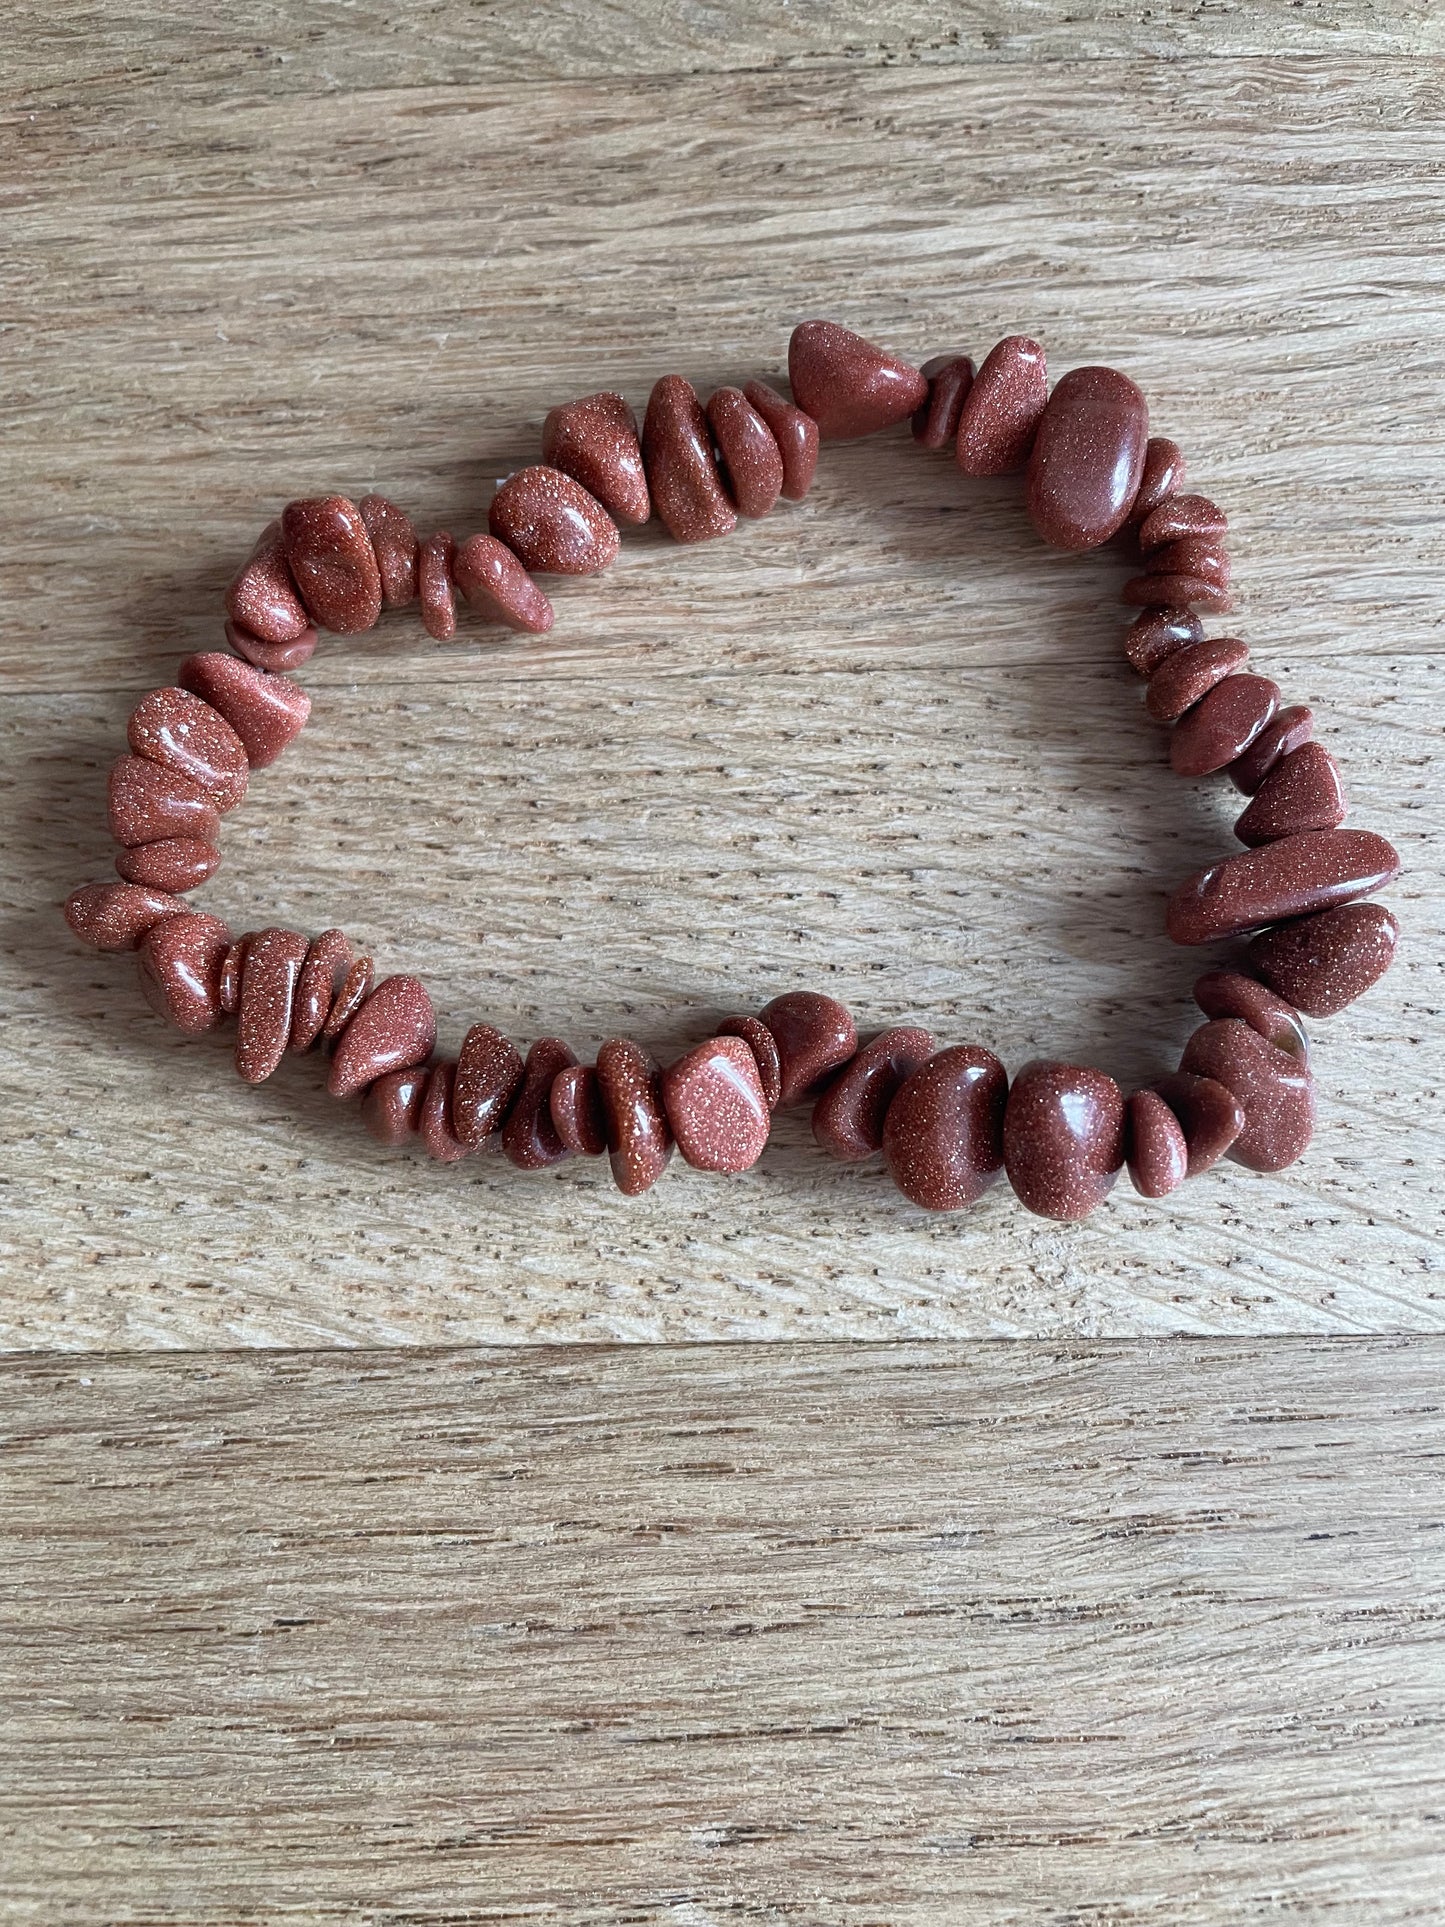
pixel 946 1121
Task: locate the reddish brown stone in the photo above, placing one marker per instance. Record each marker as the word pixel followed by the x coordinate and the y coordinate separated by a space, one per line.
pixel 848 1117
pixel 273 657
pixel 849 386
pixel 394 1028
pixel 175 863
pixel 1192 555
pixel 1286 732
pixel 529 1137
pixel 943 1131
pixel 494 582
pixel 435 586
pixel 1180 516
pixel 814 1035
pixel 1088 458
pixel 750 459
pixel 577 1115
pixel 795 433
pixel 1159 633
pixel 489 1075
pixel 1223 723
pixel 394 544
pixel 270 973
pixel 551 523
pixel 262 598
pixel 1163 476
pixel 1323 963
pixel 180 962
pixel 687 491
pixel 182 733
pixel 1175 592
pixel 115 916
pixel 935 421
pixel 329 958
pixel 715 1106
pixel 434 1119
pixel 1001 412
pixel 639 1141
pixel 1155 1149
pixel 1291 878
pixel 232 964
pixel 1210 1117
pixel 147 803
pixel 1190 673
pixel 595 441
pixel 267 712
pixel 1063 1138
pixel 1273 1087
pixel 391 1109
pixel 354 991
pixel 332 563
pixel 1303 791
pixel 764 1047
pixel 1229 993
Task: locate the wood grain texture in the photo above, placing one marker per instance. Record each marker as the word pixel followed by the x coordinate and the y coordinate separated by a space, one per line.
pixel 879 743
pixel 825 1635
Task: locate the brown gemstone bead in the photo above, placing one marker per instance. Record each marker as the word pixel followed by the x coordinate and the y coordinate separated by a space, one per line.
pixel 1192 555
pixel 595 441
pixel 1274 1089
pixel 1163 476
pixel 269 976
pixel 1063 1138
pixel 1291 878
pixel 332 563
pixel 273 657
pixel 180 732
pixel 1323 963
pixel 795 433
pixel 935 421
pixel 1175 592
pixel 147 802
pixel 529 1137
pixel 489 1075
pixel 394 544
pixel 232 964
pixel 434 1119
pixel 1180 516
pixel 175 863
pixel 494 581
pixel 749 457
pixel 394 1028
pixel 1286 732
pixel 354 991
pixel 687 491
pixel 764 1047
pixel 1088 458
pixel 262 598
pixel 391 1109
pixel 1229 993
pixel 115 916
pixel 849 386
pixel 848 1117
pixel 639 1142
pixel 814 1035
pixel 1190 673
pixel 575 1102
pixel 715 1106
pixel 1001 412
pixel 328 960
pixel 1210 1117
pixel 551 523
pixel 1159 633
pixel 180 962
pixel 943 1131
pixel 1303 791
pixel 1154 1146
pixel 1223 723
pixel 434 583
pixel 266 712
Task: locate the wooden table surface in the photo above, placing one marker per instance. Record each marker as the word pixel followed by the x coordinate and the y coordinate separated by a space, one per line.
pixel 1079 1575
